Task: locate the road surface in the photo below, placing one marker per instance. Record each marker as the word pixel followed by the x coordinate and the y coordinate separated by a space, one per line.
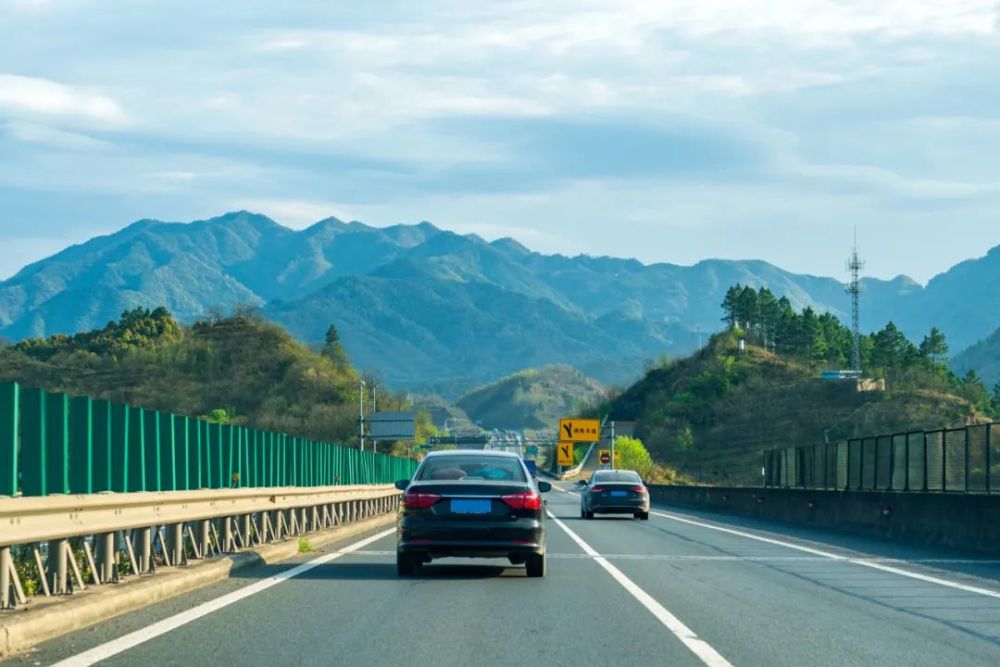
pixel 684 588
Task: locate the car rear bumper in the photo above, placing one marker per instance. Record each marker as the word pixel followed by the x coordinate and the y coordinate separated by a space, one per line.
pixel 471 539
pixel 619 506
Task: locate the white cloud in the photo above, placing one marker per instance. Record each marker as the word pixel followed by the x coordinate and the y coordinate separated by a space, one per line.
pixel 35 133
pixel 23 95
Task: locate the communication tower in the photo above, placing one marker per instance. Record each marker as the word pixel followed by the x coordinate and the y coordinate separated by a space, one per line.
pixel 855 266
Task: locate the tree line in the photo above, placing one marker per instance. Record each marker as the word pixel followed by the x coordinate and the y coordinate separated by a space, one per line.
pixel 821 340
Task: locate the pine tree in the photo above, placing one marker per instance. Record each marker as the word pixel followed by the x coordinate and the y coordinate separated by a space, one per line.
pixel 333 349
pixel 934 346
pixel 729 305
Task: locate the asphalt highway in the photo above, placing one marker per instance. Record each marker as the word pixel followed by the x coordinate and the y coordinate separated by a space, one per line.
pixel 684 588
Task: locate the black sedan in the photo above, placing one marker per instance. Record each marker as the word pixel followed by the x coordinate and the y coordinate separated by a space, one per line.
pixel 472 504
pixel 614 492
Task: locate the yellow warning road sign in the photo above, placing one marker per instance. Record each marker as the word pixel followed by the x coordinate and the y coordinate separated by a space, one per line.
pixel 565 454
pixel 579 430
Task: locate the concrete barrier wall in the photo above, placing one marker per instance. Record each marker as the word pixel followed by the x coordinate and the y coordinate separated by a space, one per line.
pixel 958 520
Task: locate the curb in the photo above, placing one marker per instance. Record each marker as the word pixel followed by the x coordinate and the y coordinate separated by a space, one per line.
pixel 21 630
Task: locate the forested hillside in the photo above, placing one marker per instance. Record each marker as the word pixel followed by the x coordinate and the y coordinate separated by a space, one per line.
pixel 237 368
pixel 532 399
pixel 712 414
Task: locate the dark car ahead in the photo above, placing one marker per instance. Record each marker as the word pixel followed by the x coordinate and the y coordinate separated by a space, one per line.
pixel 472 504
pixel 614 492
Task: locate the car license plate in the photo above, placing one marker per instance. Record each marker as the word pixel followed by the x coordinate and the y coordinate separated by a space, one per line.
pixel 618 494
pixel 471 506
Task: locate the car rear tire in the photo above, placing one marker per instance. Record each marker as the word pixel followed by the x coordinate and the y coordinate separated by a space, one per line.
pixel 406 564
pixel 588 515
pixel 535 565
pixel 644 516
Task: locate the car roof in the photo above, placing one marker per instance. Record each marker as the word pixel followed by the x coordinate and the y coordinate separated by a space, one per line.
pixel 476 452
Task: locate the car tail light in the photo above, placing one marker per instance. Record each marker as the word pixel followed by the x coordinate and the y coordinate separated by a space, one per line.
pixel 639 489
pixel 414 500
pixel 598 489
pixel 527 500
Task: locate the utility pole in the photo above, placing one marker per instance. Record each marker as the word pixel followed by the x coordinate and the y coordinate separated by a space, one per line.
pixel 612 445
pixel 374 442
pixel 855 288
pixel 361 413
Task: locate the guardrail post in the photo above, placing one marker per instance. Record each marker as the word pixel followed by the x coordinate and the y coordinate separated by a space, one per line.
pixel 205 537
pixel 227 534
pixel 175 535
pixel 5 565
pixel 247 524
pixel 145 550
pixel 106 557
pixel 58 567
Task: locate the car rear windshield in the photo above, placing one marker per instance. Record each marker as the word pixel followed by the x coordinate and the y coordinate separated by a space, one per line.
pixel 471 468
pixel 617 476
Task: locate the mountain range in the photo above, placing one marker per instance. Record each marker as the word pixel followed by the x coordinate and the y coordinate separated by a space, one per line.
pixel 432 310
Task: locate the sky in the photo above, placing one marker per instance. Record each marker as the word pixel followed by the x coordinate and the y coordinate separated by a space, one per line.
pixel 669 131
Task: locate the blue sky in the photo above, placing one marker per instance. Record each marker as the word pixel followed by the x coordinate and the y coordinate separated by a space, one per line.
pixel 667 131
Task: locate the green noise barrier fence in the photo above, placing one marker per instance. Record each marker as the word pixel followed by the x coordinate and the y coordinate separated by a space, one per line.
pixel 51 443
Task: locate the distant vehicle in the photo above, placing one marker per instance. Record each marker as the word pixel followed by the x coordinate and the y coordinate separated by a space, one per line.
pixel 531 466
pixel 614 492
pixel 471 504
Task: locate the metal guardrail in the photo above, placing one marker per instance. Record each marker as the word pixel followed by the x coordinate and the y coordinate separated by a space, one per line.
pixel 51 443
pixel 945 460
pixel 67 543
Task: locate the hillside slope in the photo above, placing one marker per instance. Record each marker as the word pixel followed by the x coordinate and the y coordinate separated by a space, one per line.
pixel 531 399
pixel 983 357
pixel 713 414
pixel 250 370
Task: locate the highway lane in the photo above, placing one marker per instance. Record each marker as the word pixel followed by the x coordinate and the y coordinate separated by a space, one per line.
pixel 747 601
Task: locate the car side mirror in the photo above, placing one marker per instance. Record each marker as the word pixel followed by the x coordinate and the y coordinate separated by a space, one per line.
pixel 402 484
pixel 544 487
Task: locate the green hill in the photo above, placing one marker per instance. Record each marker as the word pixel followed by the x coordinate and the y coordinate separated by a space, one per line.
pixel 983 357
pixel 240 367
pixel 532 399
pixel 713 414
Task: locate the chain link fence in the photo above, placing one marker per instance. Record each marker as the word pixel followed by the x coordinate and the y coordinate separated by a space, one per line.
pixel 963 459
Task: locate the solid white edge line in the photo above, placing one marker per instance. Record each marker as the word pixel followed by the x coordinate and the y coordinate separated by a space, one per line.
pixel 847 559
pixel 702 649
pixel 133 639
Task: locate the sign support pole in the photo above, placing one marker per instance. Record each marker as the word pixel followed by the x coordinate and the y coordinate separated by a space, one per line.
pixel 612 445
